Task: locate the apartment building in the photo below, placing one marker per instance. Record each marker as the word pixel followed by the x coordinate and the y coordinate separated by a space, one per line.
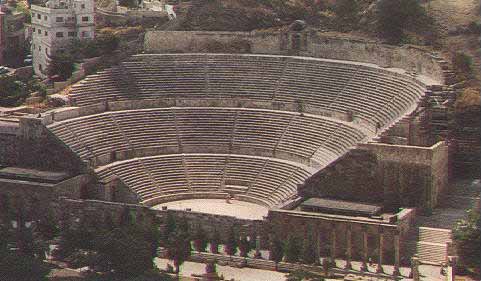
pixel 55 25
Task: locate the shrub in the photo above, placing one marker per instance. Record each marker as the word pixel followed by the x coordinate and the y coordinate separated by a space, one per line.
pixel 347 14
pixel 62 64
pixel 474 27
pixel 462 65
pixel 467 234
pixel 394 17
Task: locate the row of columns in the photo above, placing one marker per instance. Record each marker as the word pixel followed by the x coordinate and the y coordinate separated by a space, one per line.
pixel 365 249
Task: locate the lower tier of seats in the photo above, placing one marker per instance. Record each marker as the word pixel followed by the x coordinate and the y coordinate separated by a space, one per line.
pixel 266 181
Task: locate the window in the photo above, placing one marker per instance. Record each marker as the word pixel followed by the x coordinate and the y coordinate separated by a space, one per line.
pixel 71 34
pixel 45 17
pixel 40 67
pixel 85 34
pixel 82 6
pixel 59 34
pixel 59 19
pixel 39 31
pixel 39 16
pixel 33 29
pixel 46 33
pixel 85 18
pixel 33 15
pixel 39 48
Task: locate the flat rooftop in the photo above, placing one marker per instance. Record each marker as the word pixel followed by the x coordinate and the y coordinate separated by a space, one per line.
pixel 33 175
pixel 334 206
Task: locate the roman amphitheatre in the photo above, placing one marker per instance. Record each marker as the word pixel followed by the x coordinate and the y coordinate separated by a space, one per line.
pixel 308 134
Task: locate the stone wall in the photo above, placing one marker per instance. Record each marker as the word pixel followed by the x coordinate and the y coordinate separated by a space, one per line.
pixel 326 228
pixel 193 41
pixel 411 176
pixel 99 210
pixel 351 177
pixel 39 149
pixel 8 149
pixel 398 176
pixel 33 197
pixel 313 44
pixel 408 57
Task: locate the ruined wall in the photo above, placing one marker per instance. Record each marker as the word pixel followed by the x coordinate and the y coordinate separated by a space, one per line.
pixel 37 148
pixel 353 176
pixel 409 58
pixel 398 176
pixel 193 41
pixel 411 176
pixel 301 225
pixel 32 196
pixel 100 211
pixel 8 149
pixel 313 44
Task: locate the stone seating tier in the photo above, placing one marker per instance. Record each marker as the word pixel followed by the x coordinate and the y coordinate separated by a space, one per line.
pixel 262 179
pixel 376 95
pixel 278 134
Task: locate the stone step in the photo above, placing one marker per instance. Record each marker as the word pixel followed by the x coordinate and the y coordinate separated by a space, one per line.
pixel 431 252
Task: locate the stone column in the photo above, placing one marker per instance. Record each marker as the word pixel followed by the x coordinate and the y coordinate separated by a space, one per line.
pixel 451 270
pixel 380 251
pixel 365 250
pixel 349 247
pixel 333 245
pixel 318 247
pixel 397 245
pixel 415 268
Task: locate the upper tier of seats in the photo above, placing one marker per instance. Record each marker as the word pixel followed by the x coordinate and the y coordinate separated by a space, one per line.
pixel 374 94
pixel 259 179
pixel 306 138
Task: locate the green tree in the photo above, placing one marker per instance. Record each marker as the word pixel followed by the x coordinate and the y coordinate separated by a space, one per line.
pixel 231 243
pixel 347 14
pixel 394 17
pixel 178 246
pixel 47 226
pixel 170 225
pixel 17 266
pixel 200 240
pixel 244 246
pixel 129 3
pixel 12 92
pixel 467 234
pixel 123 256
pixel 214 242
pixel 277 252
pixel 61 64
pixel 292 249
pixel 308 250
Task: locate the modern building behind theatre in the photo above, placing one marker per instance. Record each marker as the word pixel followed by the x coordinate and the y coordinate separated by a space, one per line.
pixel 57 23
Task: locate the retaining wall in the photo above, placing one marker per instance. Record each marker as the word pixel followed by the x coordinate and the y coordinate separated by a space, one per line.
pixel 313 44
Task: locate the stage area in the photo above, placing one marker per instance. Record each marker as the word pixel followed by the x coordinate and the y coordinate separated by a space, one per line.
pixel 236 208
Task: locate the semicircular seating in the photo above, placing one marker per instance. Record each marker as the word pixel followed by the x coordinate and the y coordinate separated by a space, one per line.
pixel 374 94
pixel 284 135
pixel 227 133
pixel 259 179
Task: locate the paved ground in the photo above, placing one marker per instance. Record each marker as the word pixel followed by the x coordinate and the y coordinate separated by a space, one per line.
pixel 238 274
pixel 239 209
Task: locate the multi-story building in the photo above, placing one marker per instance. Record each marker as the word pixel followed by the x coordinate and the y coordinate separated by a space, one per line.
pixel 12 35
pixel 55 25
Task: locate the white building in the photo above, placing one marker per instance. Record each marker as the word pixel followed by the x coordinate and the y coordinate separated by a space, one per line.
pixel 55 25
